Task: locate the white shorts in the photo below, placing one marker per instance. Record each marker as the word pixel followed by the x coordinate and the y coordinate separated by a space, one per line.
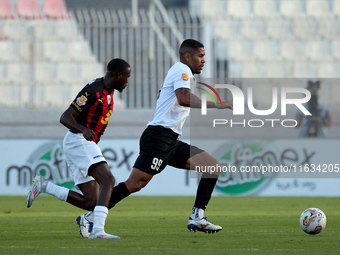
pixel 80 155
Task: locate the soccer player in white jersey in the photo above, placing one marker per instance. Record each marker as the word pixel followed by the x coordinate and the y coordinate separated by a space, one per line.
pixel 159 144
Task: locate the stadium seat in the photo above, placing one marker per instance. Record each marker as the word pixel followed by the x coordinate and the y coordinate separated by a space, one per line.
pixel 336 7
pixel 16 29
pixel 56 89
pixel 329 70
pixel 39 51
pixel 69 72
pixel 6 10
pixel 291 8
pixel 249 70
pixel 40 95
pixel 318 50
pixel 277 70
pixel 45 29
pixel 9 51
pixel 55 9
pixel 306 28
pixel 46 72
pixel 267 50
pixel 240 50
pixel 239 8
pixel 68 29
pixel 28 9
pixel 254 29
pixel 53 87
pixel 15 95
pixel 19 73
pixel 24 51
pixel 89 71
pixel 336 49
pixel 293 50
pixel 280 28
pixel 80 51
pixel 212 8
pixel 305 69
pixel 254 70
pixel 3 73
pixel 2 35
pixel 5 93
pixel 73 90
pixel 317 8
pixel 329 27
pixel 265 8
pixel 45 95
pixel 228 29
pixel 56 51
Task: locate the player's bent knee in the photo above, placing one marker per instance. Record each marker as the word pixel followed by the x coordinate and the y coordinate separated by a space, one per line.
pixel 205 163
pixel 108 180
pixel 135 186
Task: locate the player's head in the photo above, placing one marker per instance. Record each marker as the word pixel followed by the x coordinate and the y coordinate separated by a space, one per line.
pixel 118 72
pixel 191 53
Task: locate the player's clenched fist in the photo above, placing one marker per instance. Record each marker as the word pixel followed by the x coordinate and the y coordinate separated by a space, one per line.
pixel 88 134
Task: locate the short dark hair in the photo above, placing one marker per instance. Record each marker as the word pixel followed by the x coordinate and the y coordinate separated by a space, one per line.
pixel 190 44
pixel 117 65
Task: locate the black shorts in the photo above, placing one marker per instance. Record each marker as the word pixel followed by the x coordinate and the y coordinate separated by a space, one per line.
pixel 159 147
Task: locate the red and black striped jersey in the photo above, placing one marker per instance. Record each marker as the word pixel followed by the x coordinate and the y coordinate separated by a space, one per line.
pixel 94 105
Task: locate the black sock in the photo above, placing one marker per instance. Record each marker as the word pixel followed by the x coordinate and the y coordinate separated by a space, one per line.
pixel 204 190
pixel 118 193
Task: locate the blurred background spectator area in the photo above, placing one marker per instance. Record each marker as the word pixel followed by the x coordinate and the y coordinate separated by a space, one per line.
pixel 52 48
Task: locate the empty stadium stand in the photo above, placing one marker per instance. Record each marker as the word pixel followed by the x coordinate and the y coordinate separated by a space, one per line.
pixel 42 49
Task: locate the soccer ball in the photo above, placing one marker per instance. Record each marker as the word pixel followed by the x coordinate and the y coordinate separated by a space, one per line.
pixel 313 221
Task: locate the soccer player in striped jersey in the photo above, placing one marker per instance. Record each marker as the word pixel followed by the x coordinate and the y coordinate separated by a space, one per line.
pixel 86 118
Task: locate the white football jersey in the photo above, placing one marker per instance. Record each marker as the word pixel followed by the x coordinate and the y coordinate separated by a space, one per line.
pixel 168 112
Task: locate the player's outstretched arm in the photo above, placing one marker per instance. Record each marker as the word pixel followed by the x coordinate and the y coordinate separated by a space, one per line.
pixel 186 98
pixel 225 104
pixel 68 119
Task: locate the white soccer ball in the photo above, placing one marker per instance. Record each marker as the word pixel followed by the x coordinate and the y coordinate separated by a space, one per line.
pixel 313 221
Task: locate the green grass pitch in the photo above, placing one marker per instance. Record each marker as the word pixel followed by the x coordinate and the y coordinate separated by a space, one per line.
pixel 157 225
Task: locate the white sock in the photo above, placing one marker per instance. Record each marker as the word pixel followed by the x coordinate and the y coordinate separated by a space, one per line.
pixel 100 214
pixel 89 216
pixel 44 185
pixel 197 213
pixel 57 191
